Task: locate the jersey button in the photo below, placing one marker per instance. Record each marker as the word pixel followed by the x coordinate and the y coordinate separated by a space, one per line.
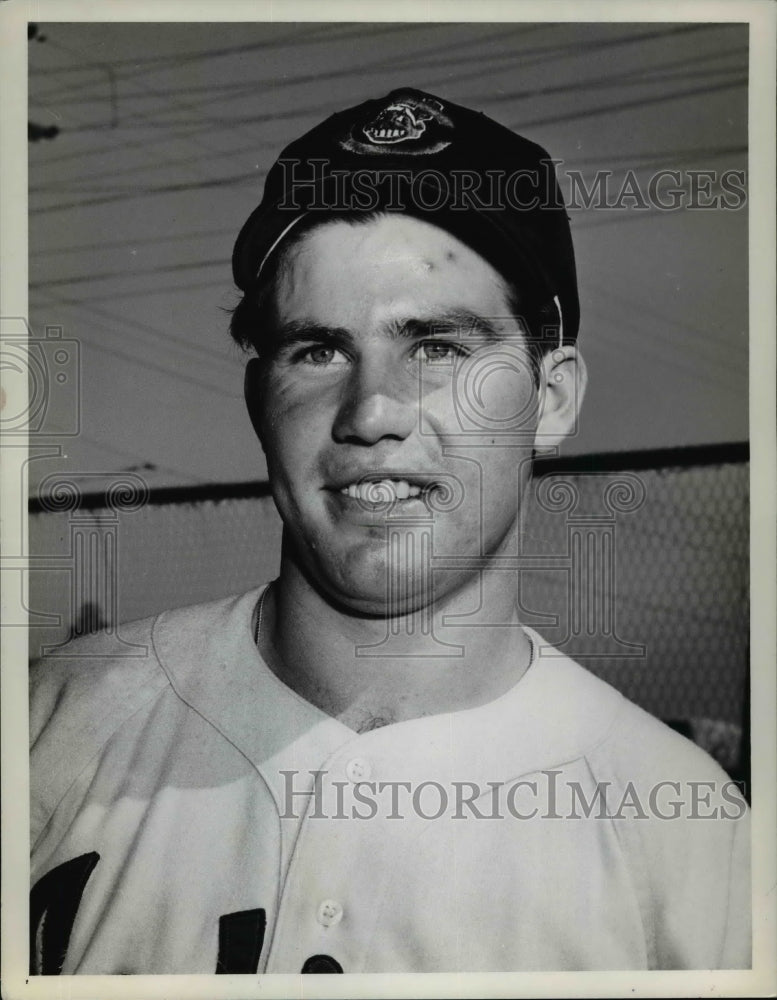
pixel 358 769
pixel 330 912
pixel 321 963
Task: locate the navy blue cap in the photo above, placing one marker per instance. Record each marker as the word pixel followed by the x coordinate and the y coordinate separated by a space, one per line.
pixel 414 153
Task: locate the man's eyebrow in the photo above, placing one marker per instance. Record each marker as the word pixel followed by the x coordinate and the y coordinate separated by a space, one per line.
pixel 460 321
pixel 303 331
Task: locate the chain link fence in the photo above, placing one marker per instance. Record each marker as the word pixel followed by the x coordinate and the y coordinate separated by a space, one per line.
pixel 641 574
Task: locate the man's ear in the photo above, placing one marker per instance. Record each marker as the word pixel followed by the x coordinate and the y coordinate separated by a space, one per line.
pixel 563 380
pixel 252 390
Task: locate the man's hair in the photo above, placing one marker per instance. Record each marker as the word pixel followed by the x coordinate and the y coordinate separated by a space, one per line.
pixel 257 311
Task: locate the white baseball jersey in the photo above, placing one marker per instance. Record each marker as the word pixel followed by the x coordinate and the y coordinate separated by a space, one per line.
pixel 192 814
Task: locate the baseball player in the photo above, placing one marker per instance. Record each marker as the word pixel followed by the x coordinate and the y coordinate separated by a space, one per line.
pixel 369 765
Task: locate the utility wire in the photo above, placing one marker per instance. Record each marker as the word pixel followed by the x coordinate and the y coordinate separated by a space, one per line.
pixel 666 325
pixel 236 89
pixel 269 84
pixel 96 276
pixel 176 376
pixel 538 53
pixel 140 192
pixel 141 241
pixel 657 343
pixel 604 109
pixel 113 296
pixel 140 461
pixel 652 157
pixel 172 63
pixel 136 119
pixel 258 144
pixel 229 181
pixel 619 216
pixel 157 120
pixel 142 65
pixel 180 104
pixel 668 157
pixel 160 339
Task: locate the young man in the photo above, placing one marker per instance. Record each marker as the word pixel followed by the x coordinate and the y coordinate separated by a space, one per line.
pixel 369 765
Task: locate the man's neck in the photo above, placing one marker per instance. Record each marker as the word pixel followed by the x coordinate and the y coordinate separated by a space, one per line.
pixel 372 671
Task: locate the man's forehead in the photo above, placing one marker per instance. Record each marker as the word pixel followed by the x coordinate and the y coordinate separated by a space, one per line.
pixel 377 233
pixel 393 255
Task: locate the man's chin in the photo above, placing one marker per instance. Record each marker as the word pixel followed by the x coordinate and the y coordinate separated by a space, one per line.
pixel 379 606
pixel 373 578
pixel 380 592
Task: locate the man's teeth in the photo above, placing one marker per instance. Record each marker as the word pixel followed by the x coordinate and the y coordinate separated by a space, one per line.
pixel 383 491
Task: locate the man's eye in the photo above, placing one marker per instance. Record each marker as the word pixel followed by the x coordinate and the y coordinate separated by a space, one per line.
pixel 321 356
pixel 443 351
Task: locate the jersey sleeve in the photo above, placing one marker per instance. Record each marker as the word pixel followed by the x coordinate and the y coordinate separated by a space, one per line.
pixel 78 699
pixel 688 847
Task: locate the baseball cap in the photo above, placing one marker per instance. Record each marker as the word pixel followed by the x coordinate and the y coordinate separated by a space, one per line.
pixel 418 154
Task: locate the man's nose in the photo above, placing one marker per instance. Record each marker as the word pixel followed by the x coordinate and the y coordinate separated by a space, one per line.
pixel 378 402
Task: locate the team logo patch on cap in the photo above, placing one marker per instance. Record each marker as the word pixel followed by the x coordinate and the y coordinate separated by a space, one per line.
pixel 410 125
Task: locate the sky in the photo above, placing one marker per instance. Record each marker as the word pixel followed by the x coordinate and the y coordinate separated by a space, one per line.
pixel 165 133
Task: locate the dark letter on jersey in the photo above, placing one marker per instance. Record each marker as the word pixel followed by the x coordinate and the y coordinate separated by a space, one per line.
pixel 240 941
pixel 54 902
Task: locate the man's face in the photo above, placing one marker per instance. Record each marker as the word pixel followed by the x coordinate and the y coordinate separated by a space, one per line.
pixel 396 396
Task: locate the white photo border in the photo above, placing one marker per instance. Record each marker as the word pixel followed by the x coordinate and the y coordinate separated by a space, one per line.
pixel 761 15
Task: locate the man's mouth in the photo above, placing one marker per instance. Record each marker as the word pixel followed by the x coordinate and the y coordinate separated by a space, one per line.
pixel 386 487
pixel 384 490
pixel 379 492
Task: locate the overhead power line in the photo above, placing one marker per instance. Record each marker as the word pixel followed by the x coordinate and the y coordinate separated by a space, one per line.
pixel 158 119
pixel 139 460
pixel 527 57
pixel 142 241
pixel 141 65
pixel 667 328
pixel 650 157
pixel 96 276
pixel 269 83
pixel 117 295
pixel 632 77
pixel 158 339
pixel 662 349
pixel 141 192
pixel 604 109
pixel 215 92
